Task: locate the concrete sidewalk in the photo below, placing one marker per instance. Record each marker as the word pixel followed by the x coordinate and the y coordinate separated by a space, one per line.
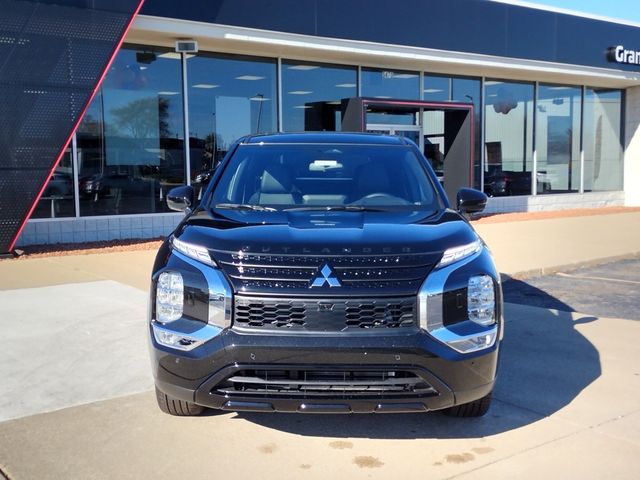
pixel 131 268
pixel 534 247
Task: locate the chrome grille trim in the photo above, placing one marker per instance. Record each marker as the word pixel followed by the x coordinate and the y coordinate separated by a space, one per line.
pixel 246 254
pixel 264 273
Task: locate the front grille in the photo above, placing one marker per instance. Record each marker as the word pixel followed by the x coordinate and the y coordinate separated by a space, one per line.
pixel 380 314
pixel 324 383
pixel 357 274
pixel 324 315
pixel 276 314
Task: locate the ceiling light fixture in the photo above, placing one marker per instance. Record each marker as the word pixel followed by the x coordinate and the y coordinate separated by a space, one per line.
pixel 205 85
pixel 249 77
pixel 174 55
pixel 303 67
pixel 405 75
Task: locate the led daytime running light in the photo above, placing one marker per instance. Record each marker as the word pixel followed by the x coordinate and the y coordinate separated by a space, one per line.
pixel 193 251
pixel 455 254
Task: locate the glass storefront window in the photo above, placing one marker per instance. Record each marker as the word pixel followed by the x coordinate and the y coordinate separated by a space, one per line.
pixel 603 159
pixel 386 84
pixel 312 94
pixel 229 97
pixel 558 139
pixel 386 116
pixel 131 140
pixel 390 84
pixel 436 88
pixel 469 90
pixel 433 131
pixel 508 138
pixel 58 197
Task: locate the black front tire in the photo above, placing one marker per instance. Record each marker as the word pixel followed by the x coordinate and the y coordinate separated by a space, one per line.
pixel 176 407
pixel 477 408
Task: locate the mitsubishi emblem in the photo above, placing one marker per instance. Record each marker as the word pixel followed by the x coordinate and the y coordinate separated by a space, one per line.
pixel 325 276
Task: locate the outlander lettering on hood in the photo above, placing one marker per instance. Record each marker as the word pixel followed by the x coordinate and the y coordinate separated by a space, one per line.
pixel 325 273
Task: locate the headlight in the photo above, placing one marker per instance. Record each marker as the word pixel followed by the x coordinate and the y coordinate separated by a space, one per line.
pixel 193 305
pixel 455 254
pixel 481 302
pixel 193 251
pixel 169 297
pixel 474 326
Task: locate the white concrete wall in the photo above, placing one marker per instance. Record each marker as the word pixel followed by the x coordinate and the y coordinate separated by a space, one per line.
pixel 632 152
pixel 561 201
pixel 92 229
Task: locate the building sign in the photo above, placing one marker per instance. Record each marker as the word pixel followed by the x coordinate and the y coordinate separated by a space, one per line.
pixel 619 54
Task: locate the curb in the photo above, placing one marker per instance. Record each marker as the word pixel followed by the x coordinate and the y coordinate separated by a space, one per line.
pixel 538 272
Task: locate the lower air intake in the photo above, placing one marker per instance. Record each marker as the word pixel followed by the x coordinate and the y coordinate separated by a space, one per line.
pixel 324 383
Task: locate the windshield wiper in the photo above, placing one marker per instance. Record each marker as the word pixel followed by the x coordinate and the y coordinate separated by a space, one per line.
pixel 245 206
pixel 336 208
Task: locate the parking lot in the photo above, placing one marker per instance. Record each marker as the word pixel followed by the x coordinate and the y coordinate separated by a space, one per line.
pixel 76 398
pixel 610 290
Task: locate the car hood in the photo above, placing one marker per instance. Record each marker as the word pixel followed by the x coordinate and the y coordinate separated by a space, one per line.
pixel 321 253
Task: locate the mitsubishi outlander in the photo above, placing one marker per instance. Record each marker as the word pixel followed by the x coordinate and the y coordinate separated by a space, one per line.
pixel 325 273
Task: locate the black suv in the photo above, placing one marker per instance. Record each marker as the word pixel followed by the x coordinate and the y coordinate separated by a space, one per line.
pixel 325 273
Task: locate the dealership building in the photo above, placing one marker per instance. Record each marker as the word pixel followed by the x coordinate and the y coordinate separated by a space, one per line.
pixel 538 107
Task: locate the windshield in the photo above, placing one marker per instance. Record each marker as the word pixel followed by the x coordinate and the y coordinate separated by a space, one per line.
pixel 346 177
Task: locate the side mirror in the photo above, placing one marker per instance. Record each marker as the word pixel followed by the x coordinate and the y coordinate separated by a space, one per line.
pixel 469 200
pixel 180 199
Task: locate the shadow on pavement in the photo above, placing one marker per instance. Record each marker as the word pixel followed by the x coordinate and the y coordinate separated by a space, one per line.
pixel 545 363
pixel 524 293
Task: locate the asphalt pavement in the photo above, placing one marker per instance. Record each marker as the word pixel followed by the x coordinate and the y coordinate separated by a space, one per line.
pixel 609 290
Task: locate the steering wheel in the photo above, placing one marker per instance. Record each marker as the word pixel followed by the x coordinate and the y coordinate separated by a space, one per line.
pixel 377 195
pixel 392 199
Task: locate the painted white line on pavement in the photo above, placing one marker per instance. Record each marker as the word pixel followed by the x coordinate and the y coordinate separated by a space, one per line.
pixel 603 279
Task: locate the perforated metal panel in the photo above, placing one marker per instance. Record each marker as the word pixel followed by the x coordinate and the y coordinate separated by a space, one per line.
pixel 52 55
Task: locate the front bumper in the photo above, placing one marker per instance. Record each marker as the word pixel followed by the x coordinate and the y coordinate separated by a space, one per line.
pixel 437 377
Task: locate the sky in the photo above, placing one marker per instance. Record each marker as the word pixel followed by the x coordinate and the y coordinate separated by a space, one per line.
pixel 628 10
